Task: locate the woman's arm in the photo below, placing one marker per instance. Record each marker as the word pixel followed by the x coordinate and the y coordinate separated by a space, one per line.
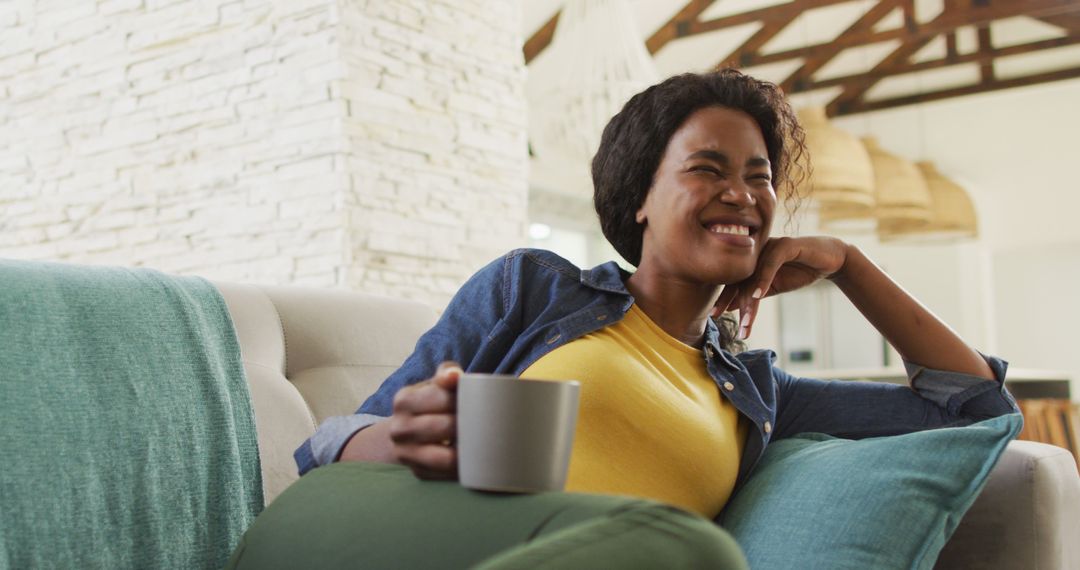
pixel 421 431
pixel 368 435
pixel 916 333
pixel 787 264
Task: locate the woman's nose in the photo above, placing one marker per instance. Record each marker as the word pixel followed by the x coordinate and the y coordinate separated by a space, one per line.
pixel 738 193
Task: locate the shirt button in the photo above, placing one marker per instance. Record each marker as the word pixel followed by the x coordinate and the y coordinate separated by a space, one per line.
pixel 709 351
pixel 729 386
pixel 768 427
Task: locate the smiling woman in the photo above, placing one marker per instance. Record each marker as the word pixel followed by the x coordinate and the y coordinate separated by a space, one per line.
pixel 686 182
pixel 706 212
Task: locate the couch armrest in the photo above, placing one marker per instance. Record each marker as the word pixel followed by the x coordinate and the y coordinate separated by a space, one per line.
pixel 314 353
pixel 1028 515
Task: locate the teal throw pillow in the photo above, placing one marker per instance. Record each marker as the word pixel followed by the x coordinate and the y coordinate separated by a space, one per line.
pixel 816 501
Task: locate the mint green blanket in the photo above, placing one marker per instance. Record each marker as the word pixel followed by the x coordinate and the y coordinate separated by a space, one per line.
pixel 126 428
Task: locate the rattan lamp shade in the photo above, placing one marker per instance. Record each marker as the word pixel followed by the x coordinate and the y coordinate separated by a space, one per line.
pixel 842 218
pixel 842 174
pixel 952 214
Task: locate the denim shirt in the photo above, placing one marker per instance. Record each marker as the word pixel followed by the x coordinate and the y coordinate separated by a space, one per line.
pixel 529 302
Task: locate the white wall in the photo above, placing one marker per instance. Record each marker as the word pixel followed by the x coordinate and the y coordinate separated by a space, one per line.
pixel 1038 308
pixel 377 145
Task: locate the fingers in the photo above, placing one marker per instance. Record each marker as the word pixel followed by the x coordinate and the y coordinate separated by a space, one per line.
pixel 746 319
pixel 724 301
pixel 448 375
pixel 429 461
pixel 431 397
pixel 423 426
pixel 427 428
pixel 776 253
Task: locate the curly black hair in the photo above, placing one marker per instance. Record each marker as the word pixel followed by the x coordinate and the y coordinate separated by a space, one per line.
pixel 635 139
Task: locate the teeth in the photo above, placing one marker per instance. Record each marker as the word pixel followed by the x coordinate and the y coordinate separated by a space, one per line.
pixel 730 229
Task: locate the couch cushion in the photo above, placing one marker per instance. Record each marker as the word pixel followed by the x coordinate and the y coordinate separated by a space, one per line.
pixel 816 501
pixel 341 345
pixel 311 354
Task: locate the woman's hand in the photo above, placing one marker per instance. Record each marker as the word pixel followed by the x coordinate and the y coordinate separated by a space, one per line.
pixel 423 426
pixel 785 264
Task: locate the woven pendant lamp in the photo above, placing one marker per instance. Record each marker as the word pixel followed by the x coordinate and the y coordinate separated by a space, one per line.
pixel 952 214
pixel 900 192
pixel 843 218
pixel 842 177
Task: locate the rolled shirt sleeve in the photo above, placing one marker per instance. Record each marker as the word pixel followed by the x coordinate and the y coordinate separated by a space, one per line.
pixel 325 446
pixel 857 409
pixel 964 394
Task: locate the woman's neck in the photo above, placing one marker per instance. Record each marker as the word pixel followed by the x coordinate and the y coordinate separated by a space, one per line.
pixel 678 307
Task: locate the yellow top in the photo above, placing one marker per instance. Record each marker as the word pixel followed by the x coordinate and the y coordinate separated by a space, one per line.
pixel 652 422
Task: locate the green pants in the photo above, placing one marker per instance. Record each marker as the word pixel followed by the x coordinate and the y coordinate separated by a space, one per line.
pixel 368 515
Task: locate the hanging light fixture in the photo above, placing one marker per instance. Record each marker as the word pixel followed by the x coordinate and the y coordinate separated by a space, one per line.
pixel 601 62
pixel 901 196
pixel 842 182
pixel 952 214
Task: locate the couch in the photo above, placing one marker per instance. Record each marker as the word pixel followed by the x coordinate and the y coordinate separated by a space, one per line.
pixel 310 354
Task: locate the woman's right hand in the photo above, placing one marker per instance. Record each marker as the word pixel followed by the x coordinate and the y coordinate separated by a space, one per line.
pixel 423 427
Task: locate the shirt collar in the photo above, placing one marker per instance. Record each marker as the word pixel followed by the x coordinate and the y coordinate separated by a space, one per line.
pixel 606 277
pixel 712 335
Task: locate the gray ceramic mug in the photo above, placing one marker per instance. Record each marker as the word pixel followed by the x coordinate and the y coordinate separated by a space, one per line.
pixel 515 435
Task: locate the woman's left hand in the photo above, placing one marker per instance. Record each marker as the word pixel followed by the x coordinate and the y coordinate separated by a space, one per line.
pixel 785 264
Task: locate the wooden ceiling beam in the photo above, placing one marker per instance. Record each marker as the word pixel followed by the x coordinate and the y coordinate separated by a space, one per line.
pixel 986 46
pixel 866 22
pixel 685 23
pixel 994 85
pixel 956 59
pixel 958 12
pixel 540 40
pixel 678 26
pixel 854 90
pixel 948 21
pixel 950 46
pixel 753 43
pixel 1069 21
pixel 781 12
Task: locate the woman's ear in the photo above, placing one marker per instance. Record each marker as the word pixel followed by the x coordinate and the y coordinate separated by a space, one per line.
pixel 639 217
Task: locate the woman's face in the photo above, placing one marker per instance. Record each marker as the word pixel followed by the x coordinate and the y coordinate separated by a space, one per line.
pixel 709 210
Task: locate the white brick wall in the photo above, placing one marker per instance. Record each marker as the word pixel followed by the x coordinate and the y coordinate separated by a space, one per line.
pixel 374 145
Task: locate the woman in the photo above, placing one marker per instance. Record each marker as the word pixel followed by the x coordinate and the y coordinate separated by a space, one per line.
pixel 685 188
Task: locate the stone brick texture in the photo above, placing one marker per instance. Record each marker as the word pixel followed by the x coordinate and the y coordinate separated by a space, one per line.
pixel 378 146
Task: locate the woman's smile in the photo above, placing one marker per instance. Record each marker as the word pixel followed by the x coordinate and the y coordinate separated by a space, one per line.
pixel 731 230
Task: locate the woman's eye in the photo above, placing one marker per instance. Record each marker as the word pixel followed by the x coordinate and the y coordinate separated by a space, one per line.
pixel 763 178
pixel 706 169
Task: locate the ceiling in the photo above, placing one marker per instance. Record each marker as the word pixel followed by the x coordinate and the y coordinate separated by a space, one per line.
pixel 852 56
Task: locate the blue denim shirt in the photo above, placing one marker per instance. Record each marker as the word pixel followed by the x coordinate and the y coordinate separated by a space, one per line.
pixel 529 302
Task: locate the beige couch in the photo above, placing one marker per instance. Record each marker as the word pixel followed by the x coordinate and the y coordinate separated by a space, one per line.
pixel 311 354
